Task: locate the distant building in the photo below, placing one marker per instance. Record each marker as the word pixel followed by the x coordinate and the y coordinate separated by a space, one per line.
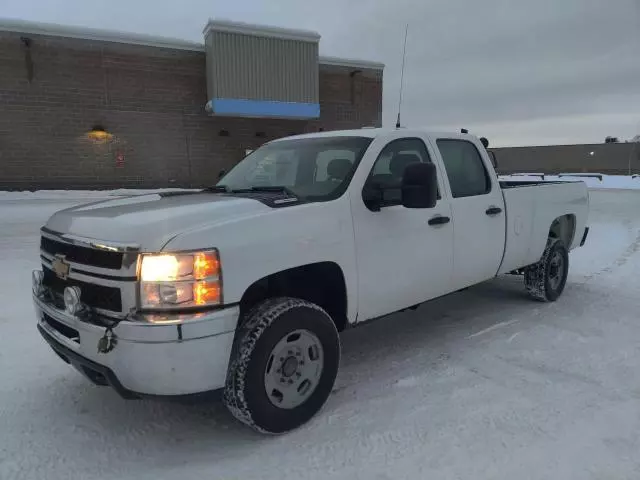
pixel 606 158
pixel 85 108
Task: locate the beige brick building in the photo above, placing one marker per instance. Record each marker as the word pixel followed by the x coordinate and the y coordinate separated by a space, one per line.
pixel 83 108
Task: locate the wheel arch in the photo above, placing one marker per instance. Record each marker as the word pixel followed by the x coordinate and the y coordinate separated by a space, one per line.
pixel 564 228
pixel 322 283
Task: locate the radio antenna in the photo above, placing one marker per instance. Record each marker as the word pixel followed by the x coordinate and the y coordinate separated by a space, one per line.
pixel 404 54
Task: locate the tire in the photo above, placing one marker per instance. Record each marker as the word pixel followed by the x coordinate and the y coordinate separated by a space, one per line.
pixel 545 280
pixel 258 364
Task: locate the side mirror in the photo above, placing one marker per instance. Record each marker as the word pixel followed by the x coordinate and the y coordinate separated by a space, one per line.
pixel 494 161
pixel 372 197
pixel 221 173
pixel 420 186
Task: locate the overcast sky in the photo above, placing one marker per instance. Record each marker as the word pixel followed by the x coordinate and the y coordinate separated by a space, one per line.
pixel 517 71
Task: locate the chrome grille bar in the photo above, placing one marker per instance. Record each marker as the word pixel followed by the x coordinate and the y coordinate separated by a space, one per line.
pixel 123 279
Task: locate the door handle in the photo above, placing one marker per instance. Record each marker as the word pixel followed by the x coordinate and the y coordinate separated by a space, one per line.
pixel 493 211
pixel 439 220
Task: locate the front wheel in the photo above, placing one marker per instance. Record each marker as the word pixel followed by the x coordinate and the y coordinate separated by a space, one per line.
pixel 545 280
pixel 284 365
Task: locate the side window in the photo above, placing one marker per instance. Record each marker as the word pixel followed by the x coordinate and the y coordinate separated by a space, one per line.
pixel 465 169
pixel 389 167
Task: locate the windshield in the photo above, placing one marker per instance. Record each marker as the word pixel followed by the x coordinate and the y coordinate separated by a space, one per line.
pixel 314 169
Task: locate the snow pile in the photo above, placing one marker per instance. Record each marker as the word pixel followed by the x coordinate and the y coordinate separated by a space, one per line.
pixel 593 180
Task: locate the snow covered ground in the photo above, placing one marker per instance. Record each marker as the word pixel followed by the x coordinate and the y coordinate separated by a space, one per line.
pixel 483 384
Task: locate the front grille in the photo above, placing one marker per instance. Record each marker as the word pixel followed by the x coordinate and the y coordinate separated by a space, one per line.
pixel 84 255
pixel 96 296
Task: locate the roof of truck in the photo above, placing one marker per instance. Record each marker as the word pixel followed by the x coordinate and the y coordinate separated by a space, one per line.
pixel 375 132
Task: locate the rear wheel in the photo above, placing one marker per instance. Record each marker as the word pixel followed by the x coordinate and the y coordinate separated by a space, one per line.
pixel 545 280
pixel 284 365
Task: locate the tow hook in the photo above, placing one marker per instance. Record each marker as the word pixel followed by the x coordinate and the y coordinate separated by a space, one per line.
pixel 108 341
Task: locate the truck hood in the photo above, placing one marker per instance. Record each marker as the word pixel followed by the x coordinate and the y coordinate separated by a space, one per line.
pixel 150 221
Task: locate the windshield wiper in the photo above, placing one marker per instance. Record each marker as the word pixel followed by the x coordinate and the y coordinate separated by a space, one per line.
pixel 217 189
pixel 267 188
pixel 257 188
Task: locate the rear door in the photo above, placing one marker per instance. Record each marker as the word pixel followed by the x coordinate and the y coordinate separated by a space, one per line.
pixel 477 209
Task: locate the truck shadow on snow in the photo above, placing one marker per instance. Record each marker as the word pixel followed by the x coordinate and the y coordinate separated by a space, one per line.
pixel 428 336
pixel 380 351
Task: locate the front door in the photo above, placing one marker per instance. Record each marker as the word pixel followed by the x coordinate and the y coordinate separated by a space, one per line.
pixel 478 212
pixel 404 257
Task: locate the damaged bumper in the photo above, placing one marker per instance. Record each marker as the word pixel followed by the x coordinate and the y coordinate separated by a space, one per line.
pixel 187 356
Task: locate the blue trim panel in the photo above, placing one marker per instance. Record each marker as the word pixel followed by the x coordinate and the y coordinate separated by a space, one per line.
pixel 263 108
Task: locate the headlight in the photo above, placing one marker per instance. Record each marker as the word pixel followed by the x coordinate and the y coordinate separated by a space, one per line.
pixel 180 280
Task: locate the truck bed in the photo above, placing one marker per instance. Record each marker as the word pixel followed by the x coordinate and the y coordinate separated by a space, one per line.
pixel 530 213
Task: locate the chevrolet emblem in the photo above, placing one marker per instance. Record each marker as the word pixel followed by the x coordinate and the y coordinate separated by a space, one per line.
pixel 60 267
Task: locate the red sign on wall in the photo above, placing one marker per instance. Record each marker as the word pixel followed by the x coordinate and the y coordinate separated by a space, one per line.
pixel 119 160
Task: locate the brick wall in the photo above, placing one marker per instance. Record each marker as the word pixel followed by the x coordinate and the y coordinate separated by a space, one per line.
pixel 152 101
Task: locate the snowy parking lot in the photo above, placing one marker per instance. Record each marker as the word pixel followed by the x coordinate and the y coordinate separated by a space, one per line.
pixel 482 384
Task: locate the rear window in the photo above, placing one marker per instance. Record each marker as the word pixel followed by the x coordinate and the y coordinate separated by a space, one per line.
pixel 465 169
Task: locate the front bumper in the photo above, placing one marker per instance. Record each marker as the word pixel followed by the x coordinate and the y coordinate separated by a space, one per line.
pixel 148 359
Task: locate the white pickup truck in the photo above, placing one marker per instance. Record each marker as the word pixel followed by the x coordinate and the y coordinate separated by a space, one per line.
pixel 245 286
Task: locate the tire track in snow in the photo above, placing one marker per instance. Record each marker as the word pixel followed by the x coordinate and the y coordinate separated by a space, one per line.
pixel 621 260
pixel 492 328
